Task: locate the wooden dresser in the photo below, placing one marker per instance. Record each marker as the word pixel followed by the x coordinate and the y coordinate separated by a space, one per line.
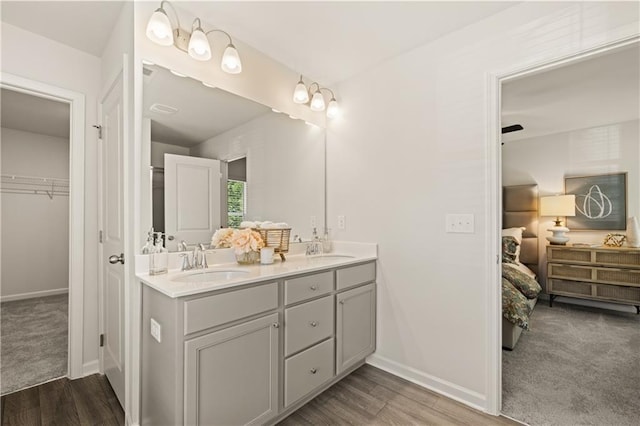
pixel 597 273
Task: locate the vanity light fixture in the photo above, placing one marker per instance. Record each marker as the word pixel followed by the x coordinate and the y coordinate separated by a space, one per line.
pixel 302 94
pixel 196 44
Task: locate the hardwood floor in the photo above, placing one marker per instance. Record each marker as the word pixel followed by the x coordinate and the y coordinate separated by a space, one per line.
pixel 370 396
pixel 86 401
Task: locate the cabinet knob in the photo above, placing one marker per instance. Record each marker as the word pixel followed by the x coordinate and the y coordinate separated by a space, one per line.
pixel 276 325
pixel 313 287
pixel 313 371
pixel 313 323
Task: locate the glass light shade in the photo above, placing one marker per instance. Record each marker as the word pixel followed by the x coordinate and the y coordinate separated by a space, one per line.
pixel 317 102
pixel 231 60
pixel 300 94
pixel 199 48
pixel 159 28
pixel 558 205
pixel 333 109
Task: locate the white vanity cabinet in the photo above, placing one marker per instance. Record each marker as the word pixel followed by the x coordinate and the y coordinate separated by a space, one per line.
pixel 254 353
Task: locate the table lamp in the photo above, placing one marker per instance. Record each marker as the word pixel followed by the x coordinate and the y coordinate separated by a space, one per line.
pixel 558 205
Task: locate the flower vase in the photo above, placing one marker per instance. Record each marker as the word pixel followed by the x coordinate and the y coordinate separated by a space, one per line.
pixel 633 232
pixel 247 258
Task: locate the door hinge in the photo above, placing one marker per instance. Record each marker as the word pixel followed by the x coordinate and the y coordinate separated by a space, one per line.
pixel 101 340
pixel 97 126
pixel 100 236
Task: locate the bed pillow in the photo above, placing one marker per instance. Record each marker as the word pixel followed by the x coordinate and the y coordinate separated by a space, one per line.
pixel 514 305
pixel 523 282
pixel 517 234
pixel 509 250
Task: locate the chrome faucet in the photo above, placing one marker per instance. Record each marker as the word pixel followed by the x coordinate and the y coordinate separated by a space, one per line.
pixel 182 246
pixel 186 264
pixel 200 257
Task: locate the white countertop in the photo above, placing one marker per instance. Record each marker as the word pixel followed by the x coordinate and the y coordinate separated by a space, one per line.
pixel 223 260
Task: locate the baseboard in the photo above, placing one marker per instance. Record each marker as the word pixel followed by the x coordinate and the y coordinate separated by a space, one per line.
pixel 91 367
pixel 443 387
pixel 33 294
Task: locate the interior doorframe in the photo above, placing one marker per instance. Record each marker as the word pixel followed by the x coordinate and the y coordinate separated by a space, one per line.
pixel 494 190
pixel 77 141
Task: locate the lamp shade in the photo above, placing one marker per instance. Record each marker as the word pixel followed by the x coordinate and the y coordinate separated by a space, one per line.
pixel 317 102
pixel 231 60
pixel 332 109
pixel 558 205
pixel 199 48
pixel 300 94
pixel 159 28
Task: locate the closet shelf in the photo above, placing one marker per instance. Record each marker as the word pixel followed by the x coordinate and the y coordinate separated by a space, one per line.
pixel 34 185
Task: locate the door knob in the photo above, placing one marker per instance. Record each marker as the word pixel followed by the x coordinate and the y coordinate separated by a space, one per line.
pixel 114 258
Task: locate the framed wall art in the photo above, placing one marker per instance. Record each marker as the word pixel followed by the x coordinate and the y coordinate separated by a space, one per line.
pixel 601 202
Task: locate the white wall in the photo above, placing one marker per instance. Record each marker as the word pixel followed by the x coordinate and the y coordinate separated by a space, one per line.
pixel 35 228
pixel 411 147
pixel 158 149
pixel 285 169
pixel 546 160
pixel 59 65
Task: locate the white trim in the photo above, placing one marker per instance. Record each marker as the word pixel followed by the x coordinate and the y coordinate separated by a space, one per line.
pixel 31 295
pixel 443 387
pixel 494 214
pixel 77 141
pixel 91 367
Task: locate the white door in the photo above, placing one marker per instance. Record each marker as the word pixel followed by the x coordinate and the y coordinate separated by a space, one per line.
pixel 113 239
pixel 191 199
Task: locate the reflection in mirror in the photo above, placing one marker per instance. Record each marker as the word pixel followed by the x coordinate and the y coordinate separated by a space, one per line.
pixel 218 159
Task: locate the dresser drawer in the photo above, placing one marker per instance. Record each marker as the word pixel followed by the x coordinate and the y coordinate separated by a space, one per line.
pixel 570 272
pixel 303 288
pixel 618 276
pixel 564 254
pixel 307 370
pixel 307 324
pixel 361 274
pixel 218 309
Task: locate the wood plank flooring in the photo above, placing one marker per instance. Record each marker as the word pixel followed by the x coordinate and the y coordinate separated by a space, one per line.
pixel 370 396
pixel 86 401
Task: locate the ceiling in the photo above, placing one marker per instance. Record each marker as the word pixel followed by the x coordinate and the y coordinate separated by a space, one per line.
pixel 34 114
pixel 601 90
pixel 83 25
pixel 202 112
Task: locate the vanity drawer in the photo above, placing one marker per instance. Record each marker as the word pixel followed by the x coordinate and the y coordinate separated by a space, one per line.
pixel 299 289
pixel 218 309
pixel 306 371
pixel 307 324
pixel 361 274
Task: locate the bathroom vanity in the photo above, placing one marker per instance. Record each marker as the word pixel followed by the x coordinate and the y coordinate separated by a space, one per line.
pixel 254 345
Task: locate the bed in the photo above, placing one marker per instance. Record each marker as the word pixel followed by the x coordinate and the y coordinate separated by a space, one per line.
pixel 520 211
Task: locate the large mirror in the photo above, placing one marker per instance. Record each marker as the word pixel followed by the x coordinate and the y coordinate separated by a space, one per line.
pixel 217 159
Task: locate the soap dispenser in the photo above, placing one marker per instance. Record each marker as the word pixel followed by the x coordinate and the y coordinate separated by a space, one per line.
pixel 326 241
pixel 159 258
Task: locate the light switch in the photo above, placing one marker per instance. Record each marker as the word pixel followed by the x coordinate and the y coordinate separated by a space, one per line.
pixel 156 330
pixel 460 223
pixel 341 222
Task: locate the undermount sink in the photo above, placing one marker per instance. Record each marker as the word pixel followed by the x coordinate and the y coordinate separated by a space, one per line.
pixel 210 276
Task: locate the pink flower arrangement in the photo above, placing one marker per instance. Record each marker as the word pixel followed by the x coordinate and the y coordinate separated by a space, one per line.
pixel 242 240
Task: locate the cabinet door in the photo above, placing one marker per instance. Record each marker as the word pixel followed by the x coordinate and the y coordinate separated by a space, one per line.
pixel 231 376
pixel 356 326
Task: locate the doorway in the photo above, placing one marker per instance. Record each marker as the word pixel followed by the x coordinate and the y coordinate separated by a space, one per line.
pixel 563 146
pixel 42 211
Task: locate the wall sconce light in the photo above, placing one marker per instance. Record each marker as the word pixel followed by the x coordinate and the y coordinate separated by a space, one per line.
pixel 196 44
pixel 302 94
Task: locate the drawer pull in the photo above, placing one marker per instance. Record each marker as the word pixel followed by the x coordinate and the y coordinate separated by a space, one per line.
pixel 276 325
pixel 313 287
pixel 313 371
pixel 313 323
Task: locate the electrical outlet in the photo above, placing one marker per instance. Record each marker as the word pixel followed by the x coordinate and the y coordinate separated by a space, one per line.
pixel 460 223
pixel 313 222
pixel 156 330
pixel 341 222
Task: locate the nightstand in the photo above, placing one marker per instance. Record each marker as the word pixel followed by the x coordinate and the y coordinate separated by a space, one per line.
pixel 597 273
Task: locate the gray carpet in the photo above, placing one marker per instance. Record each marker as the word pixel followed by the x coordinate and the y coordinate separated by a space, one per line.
pixel 576 366
pixel 34 341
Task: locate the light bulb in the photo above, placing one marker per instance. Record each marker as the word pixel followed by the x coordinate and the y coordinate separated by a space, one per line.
pixel 231 60
pixel 317 102
pixel 333 109
pixel 300 93
pixel 159 28
pixel 199 48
